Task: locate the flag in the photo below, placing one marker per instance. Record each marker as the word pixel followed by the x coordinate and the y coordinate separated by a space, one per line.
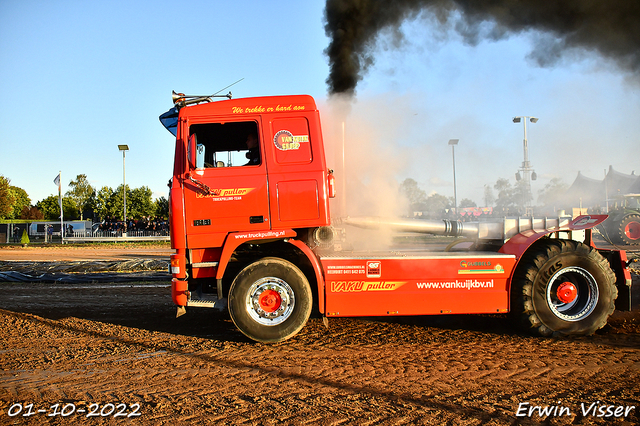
pixel 57 182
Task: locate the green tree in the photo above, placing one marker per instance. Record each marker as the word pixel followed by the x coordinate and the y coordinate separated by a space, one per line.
pixel 7 198
pixel 551 196
pixel 50 208
pixel 110 203
pixel 82 193
pixel 162 207
pixel 139 203
pixel 117 201
pixel 22 200
pixel 506 203
pixel 437 205
pixel 523 196
pixel 105 203
pixel 511 200
pixel 489 198
pixel 414 194
pixel 467 203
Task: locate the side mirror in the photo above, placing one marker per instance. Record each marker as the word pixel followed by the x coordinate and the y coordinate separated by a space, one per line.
pixel 199 156
pixel 191 150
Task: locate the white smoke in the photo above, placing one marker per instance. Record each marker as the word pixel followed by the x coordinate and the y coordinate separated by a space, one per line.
pixel 361 140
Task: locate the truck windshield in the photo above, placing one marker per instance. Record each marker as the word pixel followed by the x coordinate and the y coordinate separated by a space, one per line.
pixel 228 144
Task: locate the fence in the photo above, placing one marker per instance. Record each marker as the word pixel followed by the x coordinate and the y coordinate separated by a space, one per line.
pixel 11 231
pixel 114 236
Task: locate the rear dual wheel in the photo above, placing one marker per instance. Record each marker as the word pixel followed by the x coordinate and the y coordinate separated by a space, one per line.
pixel 270 300
pixel 563 288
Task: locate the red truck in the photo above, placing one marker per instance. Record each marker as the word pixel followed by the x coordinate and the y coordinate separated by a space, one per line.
pixel 252 232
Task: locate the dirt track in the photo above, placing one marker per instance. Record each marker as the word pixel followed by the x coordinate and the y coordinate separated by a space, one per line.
pixel 87 346
pixel 59 253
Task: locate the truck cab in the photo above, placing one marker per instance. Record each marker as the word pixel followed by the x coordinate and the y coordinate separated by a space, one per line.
pixel 247 172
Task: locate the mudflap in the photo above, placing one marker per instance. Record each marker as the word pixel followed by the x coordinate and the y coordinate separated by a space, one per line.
pixel 634 289
pixel 628 296
pixel 628 291
pixel 179 291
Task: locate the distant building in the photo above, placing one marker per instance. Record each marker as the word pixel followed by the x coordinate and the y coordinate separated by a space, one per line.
pixel 593 194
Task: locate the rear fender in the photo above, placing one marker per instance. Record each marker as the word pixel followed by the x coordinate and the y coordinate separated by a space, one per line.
pixel 235 240
pixel 520 243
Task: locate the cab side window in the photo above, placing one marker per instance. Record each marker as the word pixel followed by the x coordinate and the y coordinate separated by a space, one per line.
pixel 230 144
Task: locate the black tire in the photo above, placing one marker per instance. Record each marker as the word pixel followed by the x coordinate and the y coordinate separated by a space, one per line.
pixel 563 288
pixel 270 300
pixel 629 230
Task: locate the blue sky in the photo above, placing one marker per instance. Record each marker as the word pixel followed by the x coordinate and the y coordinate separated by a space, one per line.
pixel 78 78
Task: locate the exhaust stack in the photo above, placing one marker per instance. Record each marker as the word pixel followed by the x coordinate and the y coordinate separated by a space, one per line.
pixel 437 227
pixel 501 229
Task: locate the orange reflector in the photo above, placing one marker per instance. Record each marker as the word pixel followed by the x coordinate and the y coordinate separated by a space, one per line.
pixel 178 263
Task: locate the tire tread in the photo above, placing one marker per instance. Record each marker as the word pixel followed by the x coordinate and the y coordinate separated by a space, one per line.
pixel 523 311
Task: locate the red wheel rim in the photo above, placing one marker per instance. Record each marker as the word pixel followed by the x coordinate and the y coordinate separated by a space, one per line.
pixel 567 292
pixel 632 230
pixel 270 300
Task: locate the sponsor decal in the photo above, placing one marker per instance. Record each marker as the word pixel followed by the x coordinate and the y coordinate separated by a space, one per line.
pixel 284 140
pixel 259 235
pixel 345 269
pixel 259 109
pixel 360 286
pixel 584 221
pixel 456 284
pixel 479 267
pixel 465 264
pixel 227 194
pixel 374 269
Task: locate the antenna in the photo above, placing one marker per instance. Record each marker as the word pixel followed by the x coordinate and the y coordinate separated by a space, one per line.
pixel 228 95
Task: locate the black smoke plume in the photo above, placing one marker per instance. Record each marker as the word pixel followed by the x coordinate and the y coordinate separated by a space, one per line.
pixel 610 28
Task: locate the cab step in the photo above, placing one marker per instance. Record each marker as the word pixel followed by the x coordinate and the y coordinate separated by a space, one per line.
pixel 208 302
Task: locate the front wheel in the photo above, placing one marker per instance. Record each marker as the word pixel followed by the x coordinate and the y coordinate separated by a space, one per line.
pixel 270 300
pixel 563 288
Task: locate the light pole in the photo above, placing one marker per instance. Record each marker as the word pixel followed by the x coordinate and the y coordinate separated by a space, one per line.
pixel 124 148
pixel 453 143
pixel 527 171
